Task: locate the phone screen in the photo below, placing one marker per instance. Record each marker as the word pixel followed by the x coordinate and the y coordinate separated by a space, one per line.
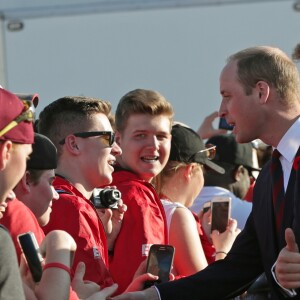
pixel 33 256
pixel 159 263
pixel 220 214
pixel 224 125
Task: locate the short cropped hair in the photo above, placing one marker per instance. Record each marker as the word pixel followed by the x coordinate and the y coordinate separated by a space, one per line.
pixel 35 175
pixel 270 65
pixel 142 101
pixel 68 115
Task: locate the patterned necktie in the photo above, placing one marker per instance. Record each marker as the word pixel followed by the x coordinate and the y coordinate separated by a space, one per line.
pixel 296 202
pixel 277 188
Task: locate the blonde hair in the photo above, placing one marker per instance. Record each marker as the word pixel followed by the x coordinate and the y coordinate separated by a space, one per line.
pixel 168 172
pixel 142 101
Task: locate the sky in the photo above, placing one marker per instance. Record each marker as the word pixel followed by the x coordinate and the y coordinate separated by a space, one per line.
pixel 179 52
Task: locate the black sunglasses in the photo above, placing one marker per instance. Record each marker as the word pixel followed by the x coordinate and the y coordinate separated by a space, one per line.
pixel 27 115
pixel 107 136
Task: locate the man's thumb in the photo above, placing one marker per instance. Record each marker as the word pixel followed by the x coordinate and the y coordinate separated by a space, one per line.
pixel 291 244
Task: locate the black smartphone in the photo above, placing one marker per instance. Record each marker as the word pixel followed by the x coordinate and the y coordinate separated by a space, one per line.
pixel 224 125
pixel 159 263
pixel 31 250
pixel 220 213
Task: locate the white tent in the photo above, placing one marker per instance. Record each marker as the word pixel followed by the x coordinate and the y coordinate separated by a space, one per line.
pixel 20 9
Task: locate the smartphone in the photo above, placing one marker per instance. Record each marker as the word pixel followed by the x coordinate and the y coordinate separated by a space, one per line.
pixel 224 125
pixel 160 260
pixel 220 213
pixel 31 250
pixel 206 206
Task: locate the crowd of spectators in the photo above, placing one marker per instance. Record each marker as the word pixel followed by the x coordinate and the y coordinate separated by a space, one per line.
pixel 165 173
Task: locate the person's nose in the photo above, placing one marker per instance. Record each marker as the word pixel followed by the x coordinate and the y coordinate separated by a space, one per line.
pixel 153 142
pixel 116 149
pixel 223 110
pixel 55 195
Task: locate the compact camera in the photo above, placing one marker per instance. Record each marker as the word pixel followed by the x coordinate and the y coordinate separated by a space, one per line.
pixel 106 198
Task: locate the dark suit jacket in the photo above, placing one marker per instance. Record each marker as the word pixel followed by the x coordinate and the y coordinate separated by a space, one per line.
pixel 254 252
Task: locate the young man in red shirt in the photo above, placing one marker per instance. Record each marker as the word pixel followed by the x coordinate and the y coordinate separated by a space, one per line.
pixel 143 131
pixel 81 130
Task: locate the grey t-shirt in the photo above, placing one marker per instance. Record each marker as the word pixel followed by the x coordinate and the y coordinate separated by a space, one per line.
pixel 10 279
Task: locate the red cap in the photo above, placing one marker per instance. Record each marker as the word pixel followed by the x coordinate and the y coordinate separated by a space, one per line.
pixel 10 108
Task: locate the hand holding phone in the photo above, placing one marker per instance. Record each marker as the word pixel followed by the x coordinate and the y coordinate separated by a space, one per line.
pixel 159 263
pixel 224 125
pixel 220 213
pixel 206 206
pixel 30 248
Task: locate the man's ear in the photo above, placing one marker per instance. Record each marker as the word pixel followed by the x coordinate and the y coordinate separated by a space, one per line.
pixel 23 186
pixel 5 153
pixel 188 171
pixel 26 181
pixel 71 145
pixel 238 172
pixel 262 89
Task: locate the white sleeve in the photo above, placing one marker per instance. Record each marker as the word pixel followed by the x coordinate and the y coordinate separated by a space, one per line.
pixel 289 292
pixel 157 291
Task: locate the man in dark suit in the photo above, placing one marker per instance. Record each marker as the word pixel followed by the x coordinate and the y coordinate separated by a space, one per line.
pixel 261 98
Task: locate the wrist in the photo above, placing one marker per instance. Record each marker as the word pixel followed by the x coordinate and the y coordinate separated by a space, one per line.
pixel 57 265
pixel 220 252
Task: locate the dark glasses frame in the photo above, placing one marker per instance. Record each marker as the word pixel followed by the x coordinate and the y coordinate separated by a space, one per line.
pixel 87 134
pixel 28 114
pixel 210 150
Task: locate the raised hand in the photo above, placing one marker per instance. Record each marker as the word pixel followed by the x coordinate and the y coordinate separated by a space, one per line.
pixel 223 241
pixel 112 221
pixel 287 269
pixel 206 129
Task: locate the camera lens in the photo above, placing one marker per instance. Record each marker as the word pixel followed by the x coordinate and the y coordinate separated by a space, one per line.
pixel 109 197
pixel 106 198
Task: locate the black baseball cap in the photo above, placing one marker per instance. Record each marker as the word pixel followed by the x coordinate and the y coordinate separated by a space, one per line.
pixel 229 151
pixel 188 147
pixel 43 156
